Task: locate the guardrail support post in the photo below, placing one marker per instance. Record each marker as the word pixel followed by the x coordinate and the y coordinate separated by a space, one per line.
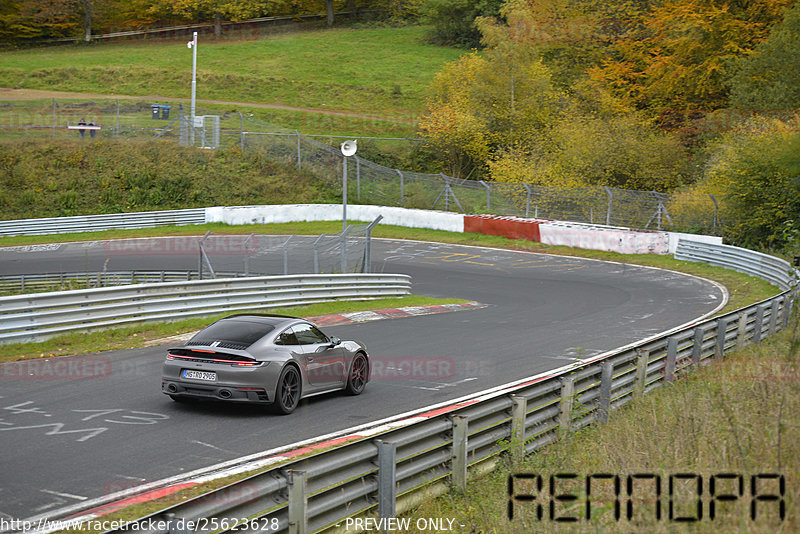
pixel 697 345
pixel 298 502
pixel 722 330
pixel 519 411
pixel 565 406
pixel 672 356
pixel 741 330
pixel 788 304
pixel 606 379
pixel 387 475
pixel 460 437
pixel 642 359
pixel 759 324
pixel 773 318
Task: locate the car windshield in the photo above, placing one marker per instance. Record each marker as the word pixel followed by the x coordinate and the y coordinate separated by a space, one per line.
pixel 234 331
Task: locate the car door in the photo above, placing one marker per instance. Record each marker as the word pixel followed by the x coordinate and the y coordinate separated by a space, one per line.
pixel 324 363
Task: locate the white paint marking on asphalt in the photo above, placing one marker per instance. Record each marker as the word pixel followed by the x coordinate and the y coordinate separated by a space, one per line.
pixel 209 445
pixel 138 479
pixel 443 385
pixel 67 495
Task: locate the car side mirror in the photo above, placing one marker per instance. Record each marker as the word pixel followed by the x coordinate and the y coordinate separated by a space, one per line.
pixel 335 341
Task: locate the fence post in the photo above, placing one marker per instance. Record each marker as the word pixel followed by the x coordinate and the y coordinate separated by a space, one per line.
pixel 343 249
pixel 610 200
pixel 527 199
pixel 519 411
pixel 298 502
pixel 741 329
pixel 316 252
pixel 247 255
pixel 286 255
pixel 54 117
pixel 697 345
pixel 565 405
pixel 368 245
pixel 722 330
pixel 358 178
pixel 460 437
pixel 488 195
pixel 642 359
pixel 299 157
pixel 672 356
pixel 716 211
pixel 606 379
pixel 116 129
pixel 402 188
pixel 241 131
pixel 387 474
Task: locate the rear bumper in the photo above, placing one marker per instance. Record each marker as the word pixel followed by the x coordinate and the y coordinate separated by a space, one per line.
pixel 180 389
pixel 233 384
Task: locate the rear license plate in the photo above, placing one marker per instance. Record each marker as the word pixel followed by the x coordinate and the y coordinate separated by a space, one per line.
pixel 199 375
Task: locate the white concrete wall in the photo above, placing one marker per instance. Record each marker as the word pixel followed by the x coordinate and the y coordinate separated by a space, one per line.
pixel 597 238
pixel 576 235
pixel 411 218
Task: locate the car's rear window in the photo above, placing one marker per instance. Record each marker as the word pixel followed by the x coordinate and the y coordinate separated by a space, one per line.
pixel 234 331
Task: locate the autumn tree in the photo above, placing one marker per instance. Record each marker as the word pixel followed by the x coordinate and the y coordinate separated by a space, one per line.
pixel 492 101
pixel 453 21
pixel 675 59
pixel 500 115
pixel 755 172
pixel 768 79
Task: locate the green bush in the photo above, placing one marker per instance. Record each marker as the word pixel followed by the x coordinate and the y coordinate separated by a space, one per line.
pixel 48 178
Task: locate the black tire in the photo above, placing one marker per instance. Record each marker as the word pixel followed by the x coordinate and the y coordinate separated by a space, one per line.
pixel 287 394
pixel 359 373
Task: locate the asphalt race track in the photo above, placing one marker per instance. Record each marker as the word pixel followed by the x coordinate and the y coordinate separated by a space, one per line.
pixel 100 424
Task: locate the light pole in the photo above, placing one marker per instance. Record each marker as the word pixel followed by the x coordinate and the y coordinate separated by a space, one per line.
pixel 348 149
pixel 193 45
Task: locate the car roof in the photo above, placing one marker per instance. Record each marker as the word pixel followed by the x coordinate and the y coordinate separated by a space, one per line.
pixel 264 318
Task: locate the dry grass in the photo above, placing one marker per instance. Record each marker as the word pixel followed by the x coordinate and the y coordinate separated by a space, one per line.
pixel 741 416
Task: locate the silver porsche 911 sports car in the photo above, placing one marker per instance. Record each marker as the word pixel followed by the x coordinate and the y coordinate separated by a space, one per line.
pixel 265 359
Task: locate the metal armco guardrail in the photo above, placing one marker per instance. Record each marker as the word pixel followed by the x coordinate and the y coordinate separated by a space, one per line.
pixel 37 316
pixel 93 223
pixel 774 270
pixel 28 282
pixel 386 470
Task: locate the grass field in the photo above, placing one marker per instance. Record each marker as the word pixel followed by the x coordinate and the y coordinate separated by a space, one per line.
pixel 376 71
